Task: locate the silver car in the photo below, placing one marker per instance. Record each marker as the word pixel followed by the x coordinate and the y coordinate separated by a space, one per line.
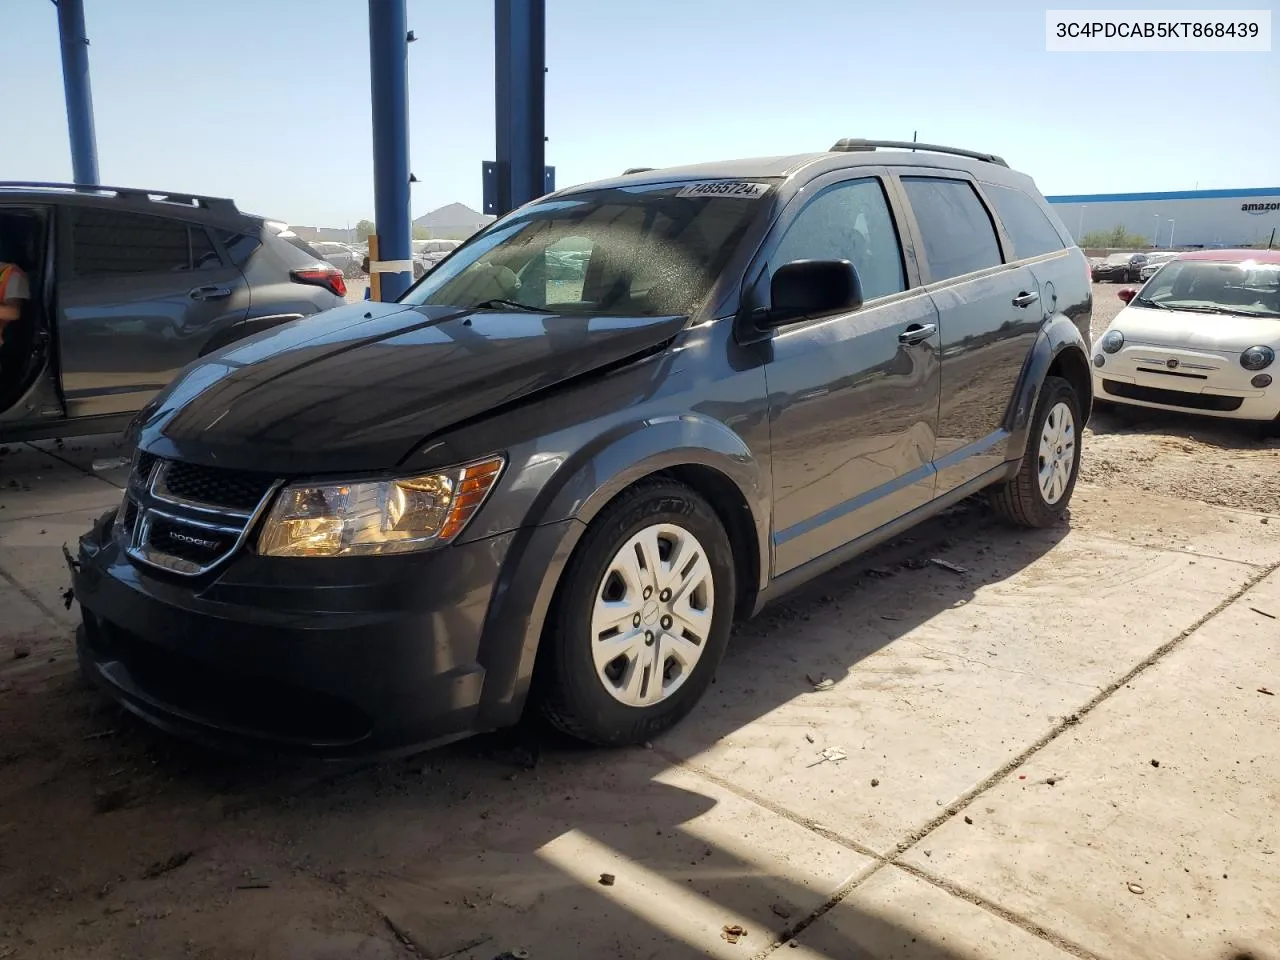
pixel 431 252
pixel 342 255
pixel 1154 262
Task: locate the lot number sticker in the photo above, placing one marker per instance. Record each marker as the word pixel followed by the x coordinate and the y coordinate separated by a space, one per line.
pixel 725 188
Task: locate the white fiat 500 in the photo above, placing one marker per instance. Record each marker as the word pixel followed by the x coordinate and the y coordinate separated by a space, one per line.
pixel 1201 336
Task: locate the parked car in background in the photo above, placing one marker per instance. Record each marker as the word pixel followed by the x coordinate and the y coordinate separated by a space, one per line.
pixel 397 523
pixel 1201 335
pixel 431 252
pixel 128 287
pixel 342 255
pixel 1154 262
pixel 1118 268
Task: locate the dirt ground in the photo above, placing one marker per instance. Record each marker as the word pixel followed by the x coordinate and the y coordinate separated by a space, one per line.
pixel 875 772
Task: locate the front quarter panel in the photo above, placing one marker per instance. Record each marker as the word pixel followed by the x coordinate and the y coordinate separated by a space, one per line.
pixel 700 401
pixel 572 449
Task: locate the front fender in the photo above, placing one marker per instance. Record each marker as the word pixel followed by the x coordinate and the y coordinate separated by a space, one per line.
pixel 582 485
pixel 1058 335
pixel 588 479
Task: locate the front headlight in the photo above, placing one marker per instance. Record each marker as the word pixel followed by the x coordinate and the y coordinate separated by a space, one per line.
pixel 377 516
pixel 1112 341
pixel 1257 358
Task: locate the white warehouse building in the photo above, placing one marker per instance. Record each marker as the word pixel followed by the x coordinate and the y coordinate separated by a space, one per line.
pixel 1185 218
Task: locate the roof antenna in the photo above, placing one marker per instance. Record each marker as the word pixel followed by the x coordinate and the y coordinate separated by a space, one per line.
pixel 913 139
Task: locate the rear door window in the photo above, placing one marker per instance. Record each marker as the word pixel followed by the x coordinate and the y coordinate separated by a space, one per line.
pixel 955 228
pixel 849 221
pixel 111 243
pixel 1026 224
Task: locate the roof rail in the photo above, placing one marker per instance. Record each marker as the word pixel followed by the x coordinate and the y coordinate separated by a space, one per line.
pixel 131 193
pixel 630 170
pixel 857 145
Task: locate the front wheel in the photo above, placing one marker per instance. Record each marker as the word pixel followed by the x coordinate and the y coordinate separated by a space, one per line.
pixel 641 619
pixel 1039 493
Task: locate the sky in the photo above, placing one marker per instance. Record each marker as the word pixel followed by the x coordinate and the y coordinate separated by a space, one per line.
pixel 267 101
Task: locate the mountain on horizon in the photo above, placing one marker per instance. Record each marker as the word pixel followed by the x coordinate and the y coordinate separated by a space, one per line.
pixel 453 218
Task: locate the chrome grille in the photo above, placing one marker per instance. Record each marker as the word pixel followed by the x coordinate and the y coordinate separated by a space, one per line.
pixel 187 518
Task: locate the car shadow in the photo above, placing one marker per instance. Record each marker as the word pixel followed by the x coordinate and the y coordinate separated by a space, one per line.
pixel 1222 433
pixel 494 843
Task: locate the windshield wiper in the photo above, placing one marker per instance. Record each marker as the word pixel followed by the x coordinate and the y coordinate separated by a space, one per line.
pixel 1222 310
pixel 1151 303
pixel 498 303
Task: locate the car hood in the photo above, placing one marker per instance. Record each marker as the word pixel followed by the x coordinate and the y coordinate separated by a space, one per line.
pixel 1200 331
pixel 358 387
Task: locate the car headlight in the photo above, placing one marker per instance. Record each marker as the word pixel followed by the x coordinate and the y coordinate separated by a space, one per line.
pixel 1112 341
pixel 366 518
pixel 1257 358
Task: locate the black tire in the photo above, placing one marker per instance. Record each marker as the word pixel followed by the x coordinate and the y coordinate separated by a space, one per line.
pixel 1019 500
pixel 571 694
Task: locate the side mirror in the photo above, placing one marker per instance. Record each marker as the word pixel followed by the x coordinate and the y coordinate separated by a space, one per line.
pixel 808 288
pixel 1127 294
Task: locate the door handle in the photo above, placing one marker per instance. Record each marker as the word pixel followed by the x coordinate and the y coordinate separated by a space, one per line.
pixel 1025 299
pixel 209 293
pixel 917 333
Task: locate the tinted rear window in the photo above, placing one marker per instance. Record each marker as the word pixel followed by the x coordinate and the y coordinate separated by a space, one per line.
pixel 297 252
pixel 1024 221
pixel 240 246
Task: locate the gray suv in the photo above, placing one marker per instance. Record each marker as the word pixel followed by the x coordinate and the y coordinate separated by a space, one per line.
pixel 561 466
pixel 128 287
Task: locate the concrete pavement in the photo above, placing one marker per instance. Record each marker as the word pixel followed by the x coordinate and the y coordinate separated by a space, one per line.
pixel 1069 749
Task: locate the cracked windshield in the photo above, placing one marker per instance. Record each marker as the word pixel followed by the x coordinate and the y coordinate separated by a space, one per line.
pixel 625 251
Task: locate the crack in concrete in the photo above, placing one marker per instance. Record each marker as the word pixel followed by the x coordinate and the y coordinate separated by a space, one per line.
pixel 894 859
pixel 75 466
pixel 1009 916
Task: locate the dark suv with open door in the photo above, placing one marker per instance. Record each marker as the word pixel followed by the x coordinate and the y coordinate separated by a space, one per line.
pixel 128 287
pixel 571 455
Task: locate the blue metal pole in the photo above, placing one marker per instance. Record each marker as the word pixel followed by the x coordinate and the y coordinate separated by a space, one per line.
pixel 75 83
pixel 389 92
pixel 520 87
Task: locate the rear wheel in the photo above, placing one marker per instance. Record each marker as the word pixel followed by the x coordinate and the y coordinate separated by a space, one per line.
pixel 1039 493
pixel 642 617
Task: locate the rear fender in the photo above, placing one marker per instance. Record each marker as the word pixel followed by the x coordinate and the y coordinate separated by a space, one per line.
pixel 1058 336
